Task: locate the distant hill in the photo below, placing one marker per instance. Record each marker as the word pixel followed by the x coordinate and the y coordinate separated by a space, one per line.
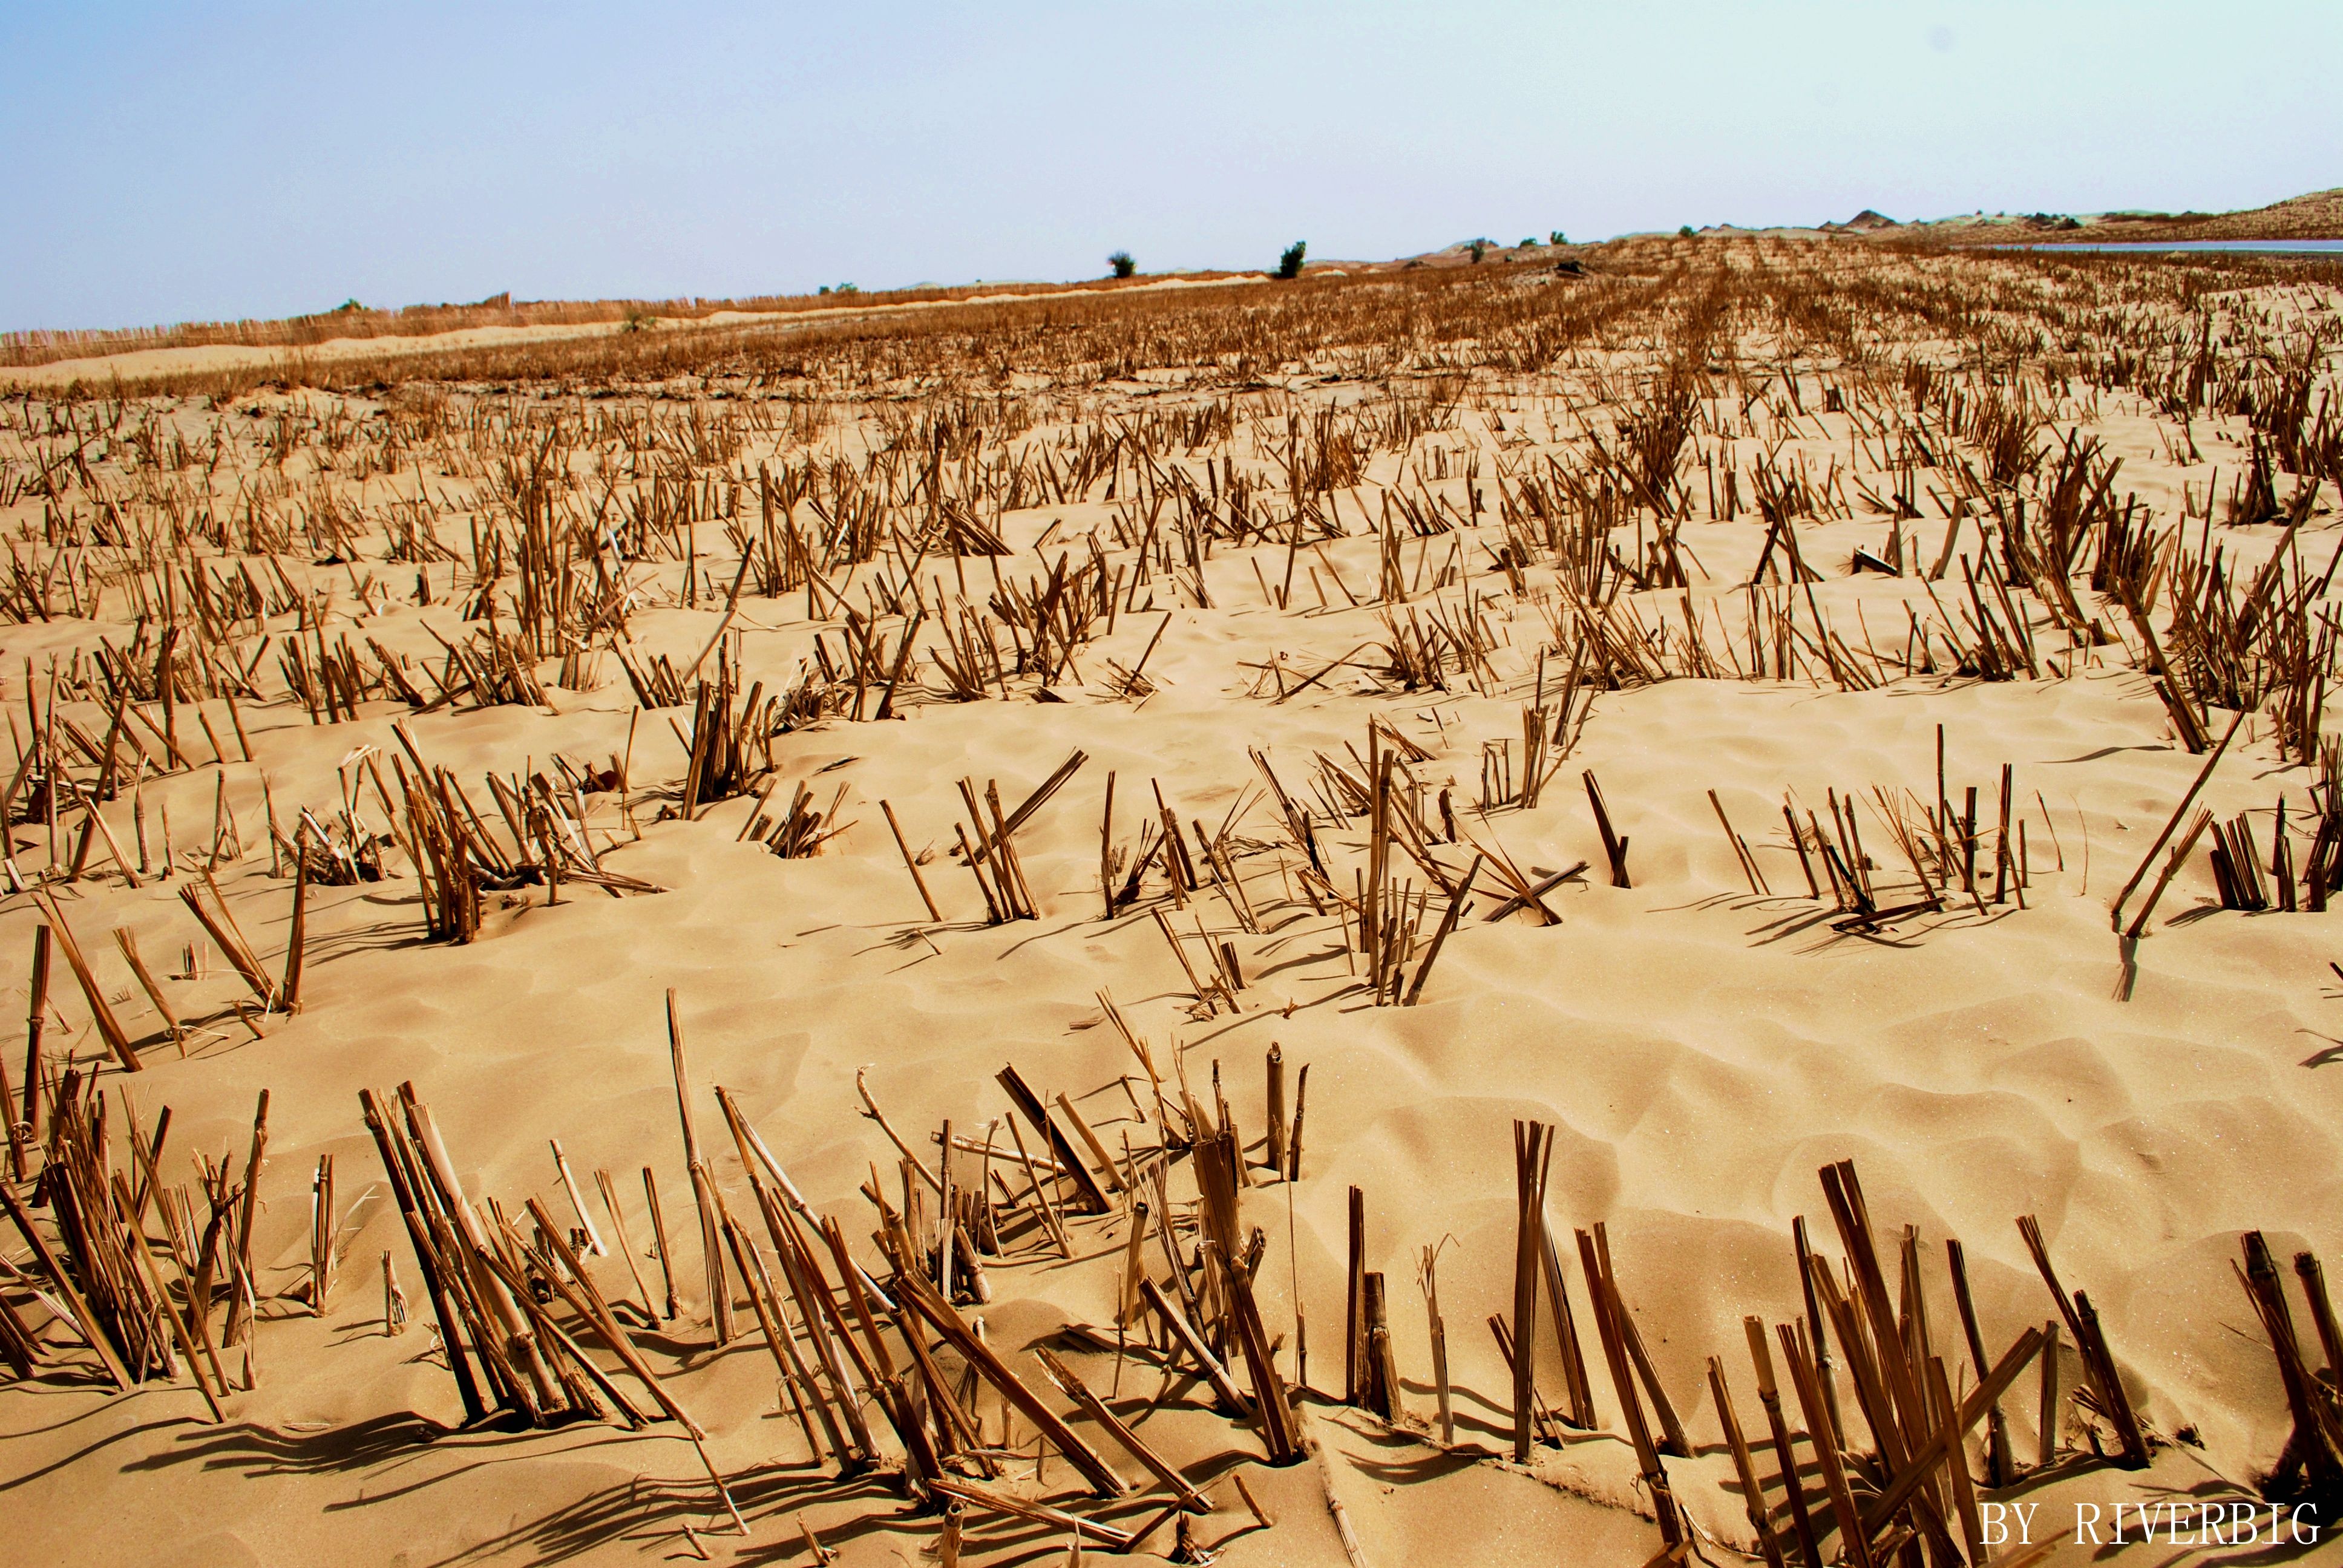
pixel 1864 222
pixel 2317 215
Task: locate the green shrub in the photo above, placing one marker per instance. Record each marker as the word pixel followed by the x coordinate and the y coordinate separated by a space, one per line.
pixel 1288 265
pixel 1684 233
pixel 1121 265
pixel 1556 238
pixel 1479 247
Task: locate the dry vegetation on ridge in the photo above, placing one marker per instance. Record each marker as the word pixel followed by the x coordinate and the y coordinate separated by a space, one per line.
pixel 1101 812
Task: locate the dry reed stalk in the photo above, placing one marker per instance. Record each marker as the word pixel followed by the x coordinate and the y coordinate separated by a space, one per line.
pixel 109 1029
pixel 1438 1328
pixel 1855 1539
pixel 94 822
pixel 1380 1394
pixel 1786 1461
pixel 17 1137
pixel 1192 1340
pixel 703 1185
pixel 1673 1440
pixel 403 1192
pixel 78 1310
pixel 2188 798
pixel 510 1336
pixel 297 942
pixel 17 1346
pixel 1275 1111
pixel 1043 1206
pixel 1753 1495
pixel 1354 1288
pixel 141 1250
pixel 1447 925
pixel 2001 1468
pixel 870 1107
pixel 2172 862
pixel 659 1241
pixel 2322 1309
pixel 577 1202
pixel 568 1276
pixel 2105 1385
pixel 1091 1141
pixel 1614 847
pixel 1610 1315
pixel 1757 878
pixel 1261 1516
pixel 911 864
pixel 1019 1508
pixel 322 1230
pixel 779 1341
pixel 1128 1305
pixel 2050 1407
pixel 395 1302
pixel 2311 1463
pixel 241 1306
pixel 1575 1385
pixel 146 982
pixel 1956 1463
pixel 796 1378
pixel 221 928
pixel 1815 1324
pixel 834 1345
pixel 37 1021
pixel 1030 1105
pixel 1293 1138
pixel 1533 1157
pixel 1074 1389
pixel 1945 1439
pixel 1219 1166
pixel 626 1243
pixel 1103 1482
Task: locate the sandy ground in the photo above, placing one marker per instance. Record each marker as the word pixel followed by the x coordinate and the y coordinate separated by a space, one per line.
pixel 1701 1050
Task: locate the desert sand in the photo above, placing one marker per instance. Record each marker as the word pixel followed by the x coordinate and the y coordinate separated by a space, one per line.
pixel 1380 575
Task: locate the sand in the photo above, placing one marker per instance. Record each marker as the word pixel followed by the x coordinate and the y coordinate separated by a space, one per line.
pixel 1701 1050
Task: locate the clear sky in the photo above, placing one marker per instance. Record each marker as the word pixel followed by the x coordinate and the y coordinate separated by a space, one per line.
pixel 165 161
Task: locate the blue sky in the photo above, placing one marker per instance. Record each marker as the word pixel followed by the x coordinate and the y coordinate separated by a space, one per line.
pixel 174 161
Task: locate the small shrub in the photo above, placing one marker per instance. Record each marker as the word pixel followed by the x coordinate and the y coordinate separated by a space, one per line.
pixel 1529 244
pixel 1122 263
pixel 1480 247
pixel 1557 238
pixel 1684 233
pixel 638 319
pixel 1288 265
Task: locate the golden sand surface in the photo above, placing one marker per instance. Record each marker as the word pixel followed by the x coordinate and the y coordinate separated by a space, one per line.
pixel 587 691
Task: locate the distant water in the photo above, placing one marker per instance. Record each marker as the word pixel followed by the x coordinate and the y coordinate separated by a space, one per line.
pixel 2249 246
